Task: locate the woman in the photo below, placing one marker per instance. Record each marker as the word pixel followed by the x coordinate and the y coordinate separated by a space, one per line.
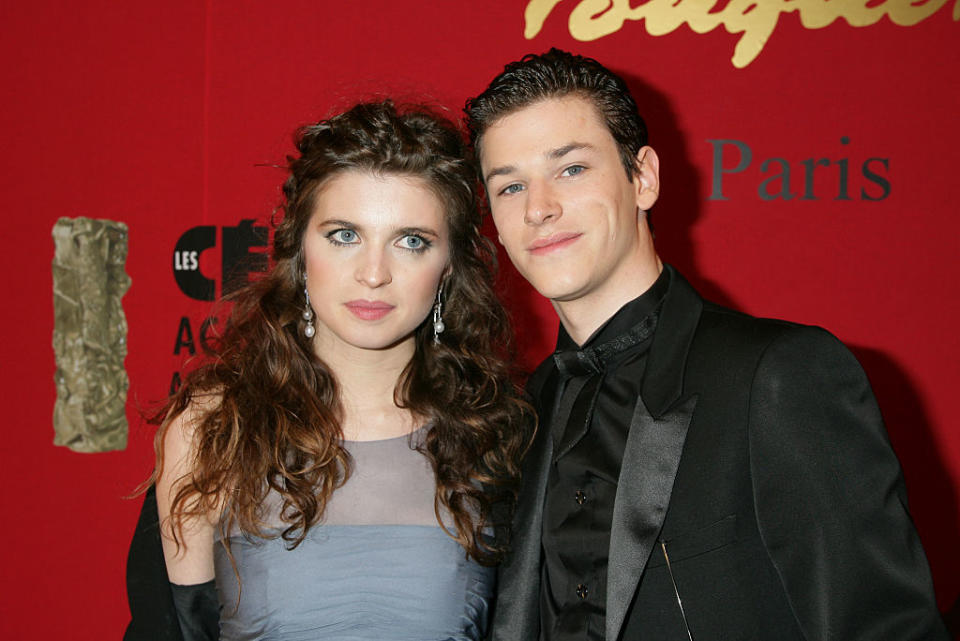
pixel 334 468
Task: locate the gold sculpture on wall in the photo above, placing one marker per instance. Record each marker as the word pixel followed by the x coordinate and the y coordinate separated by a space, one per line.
pixel 90 334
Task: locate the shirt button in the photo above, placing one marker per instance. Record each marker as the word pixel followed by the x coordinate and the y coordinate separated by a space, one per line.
pixel 580 497
pixel 582 591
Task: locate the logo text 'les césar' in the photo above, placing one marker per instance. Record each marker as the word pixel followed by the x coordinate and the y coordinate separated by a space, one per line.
pixel 755 19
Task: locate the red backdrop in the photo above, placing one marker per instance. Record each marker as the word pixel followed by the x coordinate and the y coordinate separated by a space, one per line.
pixel 813 180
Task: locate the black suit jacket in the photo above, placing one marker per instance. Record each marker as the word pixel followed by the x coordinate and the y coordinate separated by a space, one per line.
pixel 758 458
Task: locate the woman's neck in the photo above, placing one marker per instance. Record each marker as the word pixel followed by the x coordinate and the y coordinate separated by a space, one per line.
pixel 367 380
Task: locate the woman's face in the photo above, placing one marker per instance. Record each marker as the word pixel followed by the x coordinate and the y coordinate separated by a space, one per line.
pixel 375 250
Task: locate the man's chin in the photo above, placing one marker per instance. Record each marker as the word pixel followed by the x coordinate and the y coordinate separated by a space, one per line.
pixel 562 295
pixel 558 287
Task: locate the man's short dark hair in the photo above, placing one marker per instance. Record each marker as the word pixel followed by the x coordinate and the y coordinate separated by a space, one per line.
pixel 556 74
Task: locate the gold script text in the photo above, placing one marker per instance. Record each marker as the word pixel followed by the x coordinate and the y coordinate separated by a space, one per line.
pixel 754 19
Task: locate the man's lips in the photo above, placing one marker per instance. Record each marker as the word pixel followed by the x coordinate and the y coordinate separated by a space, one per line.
pixel 369 309
pixel 552 243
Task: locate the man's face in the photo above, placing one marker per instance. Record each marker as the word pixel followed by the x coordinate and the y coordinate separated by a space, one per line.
pixel 564 208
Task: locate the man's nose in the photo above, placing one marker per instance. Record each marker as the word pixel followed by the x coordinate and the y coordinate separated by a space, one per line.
pixel 542 204
pixel 374 269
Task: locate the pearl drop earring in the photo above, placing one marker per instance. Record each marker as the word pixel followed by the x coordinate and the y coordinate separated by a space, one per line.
pixel 309 330
pixel 438 325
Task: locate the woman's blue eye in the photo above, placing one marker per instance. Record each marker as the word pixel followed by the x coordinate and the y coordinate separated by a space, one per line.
pixel 573 170
pixel 343 236
pixel 414 243
pixel 511 189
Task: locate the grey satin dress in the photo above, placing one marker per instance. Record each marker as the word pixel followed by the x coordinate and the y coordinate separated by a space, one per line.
pixel 377 567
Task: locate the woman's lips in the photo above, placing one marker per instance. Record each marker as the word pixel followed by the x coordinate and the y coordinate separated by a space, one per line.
pixel 369 309
pixel 552 243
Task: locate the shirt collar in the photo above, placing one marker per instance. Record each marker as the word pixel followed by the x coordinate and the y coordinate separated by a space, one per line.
pixel 625 319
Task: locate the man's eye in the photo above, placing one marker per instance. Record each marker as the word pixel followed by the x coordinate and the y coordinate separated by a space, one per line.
pixel 343 236
pixel 511 189
pixel 573 170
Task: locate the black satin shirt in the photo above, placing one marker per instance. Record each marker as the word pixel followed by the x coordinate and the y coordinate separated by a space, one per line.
pixel 582 483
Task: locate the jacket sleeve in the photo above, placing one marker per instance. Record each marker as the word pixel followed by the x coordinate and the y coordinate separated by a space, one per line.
pixel 830 498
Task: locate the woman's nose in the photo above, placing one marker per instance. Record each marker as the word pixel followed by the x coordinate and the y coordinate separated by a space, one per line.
pixel 374 270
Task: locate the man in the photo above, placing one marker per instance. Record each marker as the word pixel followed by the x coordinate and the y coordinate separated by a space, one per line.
pixel 698 474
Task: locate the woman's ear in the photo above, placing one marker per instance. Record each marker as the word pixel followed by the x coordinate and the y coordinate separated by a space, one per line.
pixel 647 177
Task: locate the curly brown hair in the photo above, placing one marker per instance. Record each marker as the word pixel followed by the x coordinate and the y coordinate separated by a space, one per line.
pixel 276 421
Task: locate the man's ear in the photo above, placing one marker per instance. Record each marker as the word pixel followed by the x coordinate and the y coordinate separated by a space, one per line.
pixel 647 178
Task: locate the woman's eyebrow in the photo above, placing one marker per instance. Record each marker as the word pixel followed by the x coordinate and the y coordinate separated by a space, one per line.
pixel 424 231
pixel 398 231
pixel 333 222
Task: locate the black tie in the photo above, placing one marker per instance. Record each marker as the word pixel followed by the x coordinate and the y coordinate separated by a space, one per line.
pixel 583 372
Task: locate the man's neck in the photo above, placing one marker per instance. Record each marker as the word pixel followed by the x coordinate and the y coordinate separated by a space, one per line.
pixel 583 316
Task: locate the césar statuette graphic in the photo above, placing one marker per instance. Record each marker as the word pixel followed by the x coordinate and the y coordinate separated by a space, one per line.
pixel 90 334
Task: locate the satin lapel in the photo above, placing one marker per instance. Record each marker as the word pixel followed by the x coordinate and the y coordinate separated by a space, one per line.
pixel 649 468
pixel 517 615
pixel 658 431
